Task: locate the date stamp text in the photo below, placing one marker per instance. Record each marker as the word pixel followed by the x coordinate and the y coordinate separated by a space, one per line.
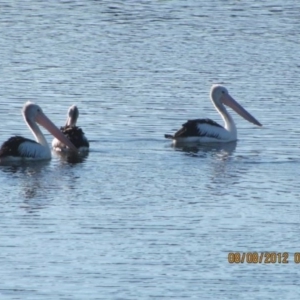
pixel 263 257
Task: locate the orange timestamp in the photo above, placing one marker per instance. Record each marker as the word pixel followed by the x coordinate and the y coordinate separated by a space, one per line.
pixel 262 257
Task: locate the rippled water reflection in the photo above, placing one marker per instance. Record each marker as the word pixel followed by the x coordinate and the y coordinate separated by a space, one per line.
pixel 137 218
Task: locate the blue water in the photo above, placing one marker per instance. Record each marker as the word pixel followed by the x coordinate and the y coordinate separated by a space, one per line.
pixel 137 218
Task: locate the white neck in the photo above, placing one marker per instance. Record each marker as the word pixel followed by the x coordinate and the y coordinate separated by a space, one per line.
pixel 39 137
pixel 229 123
pixel 71 121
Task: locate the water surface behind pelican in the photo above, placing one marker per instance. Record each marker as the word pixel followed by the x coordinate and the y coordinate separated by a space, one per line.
pixel 136 218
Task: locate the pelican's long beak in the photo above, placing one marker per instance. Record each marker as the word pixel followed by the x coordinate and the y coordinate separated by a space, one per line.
pixel 46 123
pixel 229 101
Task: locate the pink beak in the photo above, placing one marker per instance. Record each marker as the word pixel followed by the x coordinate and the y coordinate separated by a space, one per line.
pixel 46 123
pixel 229 101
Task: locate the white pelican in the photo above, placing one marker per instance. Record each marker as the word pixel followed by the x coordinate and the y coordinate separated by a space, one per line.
pixel 20 148
pixel 72 132
pixel 208 131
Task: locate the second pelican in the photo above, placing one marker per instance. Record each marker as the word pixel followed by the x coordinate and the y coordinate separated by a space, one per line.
pixel 72 132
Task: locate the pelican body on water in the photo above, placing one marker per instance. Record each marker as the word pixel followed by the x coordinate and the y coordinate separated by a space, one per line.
pixel 207 130
pixel 72 132
pixel 20 148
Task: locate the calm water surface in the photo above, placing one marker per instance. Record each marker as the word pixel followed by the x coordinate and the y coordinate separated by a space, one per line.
pixel 137 218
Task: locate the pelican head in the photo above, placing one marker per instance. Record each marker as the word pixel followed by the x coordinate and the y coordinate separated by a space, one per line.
pixel 220 95
pixel 73 114
pixel 31 111
pixel 33 114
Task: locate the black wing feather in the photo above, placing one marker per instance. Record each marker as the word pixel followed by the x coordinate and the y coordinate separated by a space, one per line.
pixel 75 135
pixel 191 128
pixel 11 146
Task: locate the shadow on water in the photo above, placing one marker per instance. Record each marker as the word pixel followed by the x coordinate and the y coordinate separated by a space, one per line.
pixel 72 158
pixel 30 183
pixel 27 168
pixel 217 168
pixel 33 186
pixel 222 150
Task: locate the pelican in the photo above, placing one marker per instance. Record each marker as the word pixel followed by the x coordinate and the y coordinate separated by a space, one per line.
pixel 20 148
pixel 208 131
pixel 72 132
